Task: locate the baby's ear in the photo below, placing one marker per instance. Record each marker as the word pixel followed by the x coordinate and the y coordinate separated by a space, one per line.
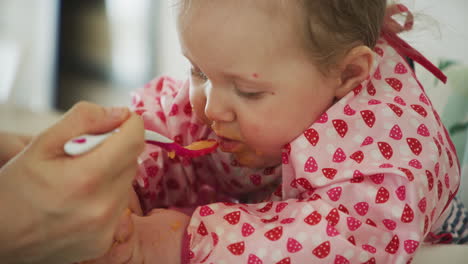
pixel 354 69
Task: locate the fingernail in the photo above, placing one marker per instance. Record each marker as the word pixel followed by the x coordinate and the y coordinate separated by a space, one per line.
pixel 117 112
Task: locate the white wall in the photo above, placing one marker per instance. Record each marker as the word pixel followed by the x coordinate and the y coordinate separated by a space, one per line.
pixel 172 62
pixel 130 40
pixel 441 29
pixel 31 27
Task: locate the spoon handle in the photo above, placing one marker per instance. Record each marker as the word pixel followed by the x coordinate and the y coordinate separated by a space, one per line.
pixel 84 143
pixel 87 142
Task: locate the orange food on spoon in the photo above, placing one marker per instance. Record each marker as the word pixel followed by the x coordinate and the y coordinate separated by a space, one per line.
pixel 196 149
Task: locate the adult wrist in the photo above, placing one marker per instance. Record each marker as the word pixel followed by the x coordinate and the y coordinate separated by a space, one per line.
pixel 20 232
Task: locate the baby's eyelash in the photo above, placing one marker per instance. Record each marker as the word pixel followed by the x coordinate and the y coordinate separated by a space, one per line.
pixel 198 73
pixel 254 95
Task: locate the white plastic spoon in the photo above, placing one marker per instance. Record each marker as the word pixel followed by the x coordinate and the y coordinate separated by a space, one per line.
pixel 87 142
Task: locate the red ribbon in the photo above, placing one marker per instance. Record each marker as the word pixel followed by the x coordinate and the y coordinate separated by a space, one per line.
pixel 443 238
pixel 392 28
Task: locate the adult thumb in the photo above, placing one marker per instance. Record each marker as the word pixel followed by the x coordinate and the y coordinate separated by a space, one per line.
pixel 82 118
pixel 125 227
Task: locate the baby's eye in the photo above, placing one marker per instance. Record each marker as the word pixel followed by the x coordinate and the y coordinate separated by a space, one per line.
pixel 197 73
pixel 254 95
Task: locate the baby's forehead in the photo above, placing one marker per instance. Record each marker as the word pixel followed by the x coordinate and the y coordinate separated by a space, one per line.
pixel 214 38
pixel 270 7
pixel 265 17
pixel 277 13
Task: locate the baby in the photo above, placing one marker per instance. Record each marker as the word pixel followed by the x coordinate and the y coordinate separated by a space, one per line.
pixel 330 151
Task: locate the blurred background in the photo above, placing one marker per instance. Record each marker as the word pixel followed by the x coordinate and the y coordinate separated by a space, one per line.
pixel 54 53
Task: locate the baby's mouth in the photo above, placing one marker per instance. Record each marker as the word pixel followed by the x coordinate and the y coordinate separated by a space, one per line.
pixel 229 145
pixel 226 142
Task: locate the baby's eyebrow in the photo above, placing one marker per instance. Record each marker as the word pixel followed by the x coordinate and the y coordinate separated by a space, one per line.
pixel 253 78
pixel 250 77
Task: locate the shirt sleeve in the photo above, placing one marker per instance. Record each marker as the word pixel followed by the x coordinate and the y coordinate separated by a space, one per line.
pixel 366 219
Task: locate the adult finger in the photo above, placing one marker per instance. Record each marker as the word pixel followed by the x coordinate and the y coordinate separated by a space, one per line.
pixel 10 146
pixel 125 227
pixel 26 139
pixel 134 203
pixel 83 118
pixel 121 149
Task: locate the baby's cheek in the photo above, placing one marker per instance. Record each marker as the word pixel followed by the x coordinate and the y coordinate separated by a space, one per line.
pixel 198 101
pixel 267 145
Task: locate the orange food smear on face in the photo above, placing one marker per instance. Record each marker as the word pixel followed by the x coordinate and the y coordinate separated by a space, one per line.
pixel 171 154
pixel 203 144
pixel 176 226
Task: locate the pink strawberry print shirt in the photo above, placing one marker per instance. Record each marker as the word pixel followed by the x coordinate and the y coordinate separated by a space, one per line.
pixel 366 183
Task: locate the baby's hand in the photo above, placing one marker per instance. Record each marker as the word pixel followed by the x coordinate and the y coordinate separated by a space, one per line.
pixel 157 236
pixel 161 234
pixel 125 248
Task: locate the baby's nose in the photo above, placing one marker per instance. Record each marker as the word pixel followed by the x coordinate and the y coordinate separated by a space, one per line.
pixel 218 106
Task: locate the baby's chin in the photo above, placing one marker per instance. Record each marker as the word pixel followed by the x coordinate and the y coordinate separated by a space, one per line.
pixel 256 161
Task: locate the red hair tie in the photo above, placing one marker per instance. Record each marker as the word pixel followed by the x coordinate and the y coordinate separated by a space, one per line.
pixel 392 28
pixel 443 238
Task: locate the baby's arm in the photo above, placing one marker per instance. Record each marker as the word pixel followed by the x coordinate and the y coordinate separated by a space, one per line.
pixel 156 237
pixel 161 234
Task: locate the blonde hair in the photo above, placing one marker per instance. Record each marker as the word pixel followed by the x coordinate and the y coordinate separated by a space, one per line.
pixel 333 27
pixel 336 26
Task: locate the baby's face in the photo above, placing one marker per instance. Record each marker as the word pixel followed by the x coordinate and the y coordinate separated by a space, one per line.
pixel 252 79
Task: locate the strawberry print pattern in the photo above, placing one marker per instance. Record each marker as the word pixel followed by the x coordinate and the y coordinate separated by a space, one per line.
pixel 376 164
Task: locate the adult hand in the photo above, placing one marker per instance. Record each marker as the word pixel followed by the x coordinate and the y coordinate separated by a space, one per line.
pixel 62 209
pixel 10 145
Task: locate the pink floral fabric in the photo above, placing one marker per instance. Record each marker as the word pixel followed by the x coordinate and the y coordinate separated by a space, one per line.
pixel 185 183
pixel 366 183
